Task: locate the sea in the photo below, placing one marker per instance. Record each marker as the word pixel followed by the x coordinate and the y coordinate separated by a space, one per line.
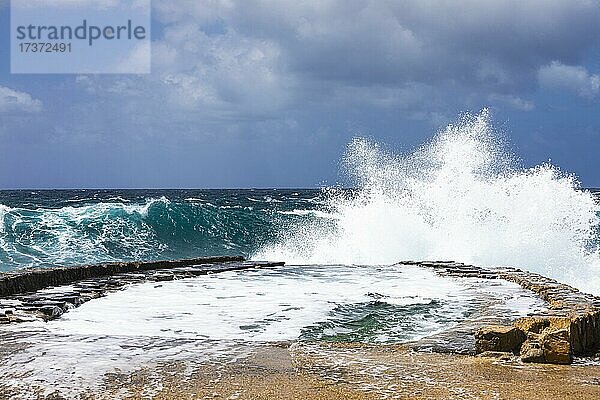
pixel 462 196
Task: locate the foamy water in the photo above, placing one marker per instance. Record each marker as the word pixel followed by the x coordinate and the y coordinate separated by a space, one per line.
pixel 462 197
pixel 222 318
pixel 334 302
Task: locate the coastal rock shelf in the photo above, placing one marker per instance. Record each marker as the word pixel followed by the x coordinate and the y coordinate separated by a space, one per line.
pixel 570 327
pixel 46 294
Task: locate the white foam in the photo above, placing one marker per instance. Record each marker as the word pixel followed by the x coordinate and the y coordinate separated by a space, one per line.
pixel 266 304
pixel 3 211
pixel 313 213
pixel 459 197
pixel 143 209
pixel 44 365
pixel 220 318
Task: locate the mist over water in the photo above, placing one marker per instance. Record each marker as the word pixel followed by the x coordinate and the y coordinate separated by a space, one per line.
pixel 460 197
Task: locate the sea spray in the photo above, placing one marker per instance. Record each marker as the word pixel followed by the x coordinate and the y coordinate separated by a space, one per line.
pixel 461 197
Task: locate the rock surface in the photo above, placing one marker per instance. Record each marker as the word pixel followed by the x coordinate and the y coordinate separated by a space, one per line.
pixel 556 346
pixel 570 327
pixel 31 279
pixel 499 339
pixel 49 300
pixel 531 350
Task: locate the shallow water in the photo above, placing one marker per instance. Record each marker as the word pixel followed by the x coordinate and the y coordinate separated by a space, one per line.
pixel 335 302
pixel 222 318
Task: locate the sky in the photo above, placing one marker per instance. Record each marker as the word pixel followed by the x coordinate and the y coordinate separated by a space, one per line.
pixel 269 93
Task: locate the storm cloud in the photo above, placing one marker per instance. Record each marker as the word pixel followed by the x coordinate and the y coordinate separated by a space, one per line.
pixel 283 77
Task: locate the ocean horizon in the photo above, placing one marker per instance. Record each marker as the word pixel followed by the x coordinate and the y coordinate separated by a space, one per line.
pixel 277 199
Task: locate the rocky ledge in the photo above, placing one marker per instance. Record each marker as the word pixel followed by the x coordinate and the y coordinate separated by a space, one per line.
pixel 38 293
pixel 570 327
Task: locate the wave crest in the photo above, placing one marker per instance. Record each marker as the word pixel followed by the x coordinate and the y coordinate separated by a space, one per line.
pixel 463 197
pixel 116 231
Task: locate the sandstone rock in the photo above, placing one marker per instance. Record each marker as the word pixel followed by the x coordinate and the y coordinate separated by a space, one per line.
pixel 549 339
pixel 532 324
pixel 570 325
pixel 500 355
pixel 531 350
pixel 499 338
pixel 557 347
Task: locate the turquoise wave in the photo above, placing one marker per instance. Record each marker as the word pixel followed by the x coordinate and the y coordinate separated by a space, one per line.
pixel 49 228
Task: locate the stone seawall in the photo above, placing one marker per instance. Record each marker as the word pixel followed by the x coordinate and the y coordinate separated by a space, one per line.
pixel 570 327
pixel 32 279
pixel 48 293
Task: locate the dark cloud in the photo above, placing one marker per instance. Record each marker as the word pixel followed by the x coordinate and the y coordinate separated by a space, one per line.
pixel 226 66
pixel 495 45
pixel 257 59
pixel 295 80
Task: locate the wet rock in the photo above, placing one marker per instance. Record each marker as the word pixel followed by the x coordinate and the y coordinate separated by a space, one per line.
pixel 531 350
pixel 557 347
pixel 51 312
pixel 52 302
pixel 571 326
pixel 585 332
pixel 499 338
pixel 500 355
pixel 32 279
pixel 162 277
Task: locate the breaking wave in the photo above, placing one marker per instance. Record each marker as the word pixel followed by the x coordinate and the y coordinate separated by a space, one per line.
pixel 87 230
pixel 462 197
